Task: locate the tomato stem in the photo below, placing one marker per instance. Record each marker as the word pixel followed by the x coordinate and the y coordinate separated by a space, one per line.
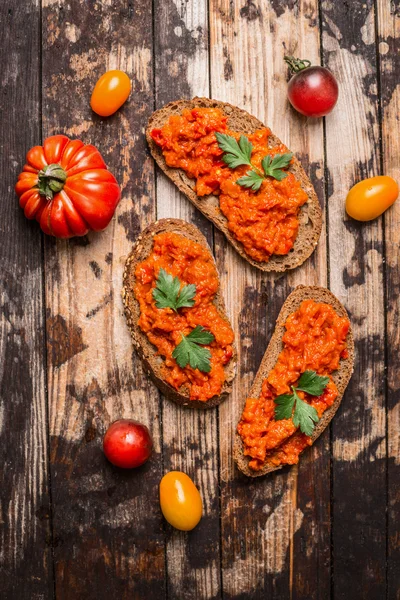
pixel 297 64
pixel 51 180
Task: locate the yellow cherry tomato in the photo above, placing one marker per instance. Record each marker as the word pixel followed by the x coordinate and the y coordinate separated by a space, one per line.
pixel 180 501
pixel 370 198
pixel 110 92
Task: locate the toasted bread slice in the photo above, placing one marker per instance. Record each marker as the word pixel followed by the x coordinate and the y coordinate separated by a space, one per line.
pixel 147 352
pixel 310 216
pixel 341 377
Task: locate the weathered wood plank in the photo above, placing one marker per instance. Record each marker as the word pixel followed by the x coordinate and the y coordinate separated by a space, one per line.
pixel 310 553
pixel 107 522
pixel 25 544
pixel 243 562
pixel 275 532
pixel 265 555
pixel 389 60
pixel 359 478
pixel 189 437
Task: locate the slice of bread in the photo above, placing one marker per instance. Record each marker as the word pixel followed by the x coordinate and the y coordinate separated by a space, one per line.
pixel 341 377
pixel 310 216
pixel 148 353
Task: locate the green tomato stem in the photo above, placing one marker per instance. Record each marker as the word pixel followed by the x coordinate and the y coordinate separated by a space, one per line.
pixel 51 180
pixel 297 64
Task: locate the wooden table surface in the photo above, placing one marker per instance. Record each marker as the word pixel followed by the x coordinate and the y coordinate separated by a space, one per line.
pixel 72 526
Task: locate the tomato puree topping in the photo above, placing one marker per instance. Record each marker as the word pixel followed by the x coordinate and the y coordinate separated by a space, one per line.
pixel 314 340
pixel 265 222
pixel 191 263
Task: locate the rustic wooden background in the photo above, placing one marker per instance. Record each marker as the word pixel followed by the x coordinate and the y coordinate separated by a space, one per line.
pixel 73 527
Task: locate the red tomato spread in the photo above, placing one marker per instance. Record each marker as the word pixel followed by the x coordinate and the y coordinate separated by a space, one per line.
pixel 191 263
pixel 265 222
pixel 314 340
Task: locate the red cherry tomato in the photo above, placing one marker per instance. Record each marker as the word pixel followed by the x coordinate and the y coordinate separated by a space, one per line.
pixel 110 93
pixel 127 444
pixel 313 90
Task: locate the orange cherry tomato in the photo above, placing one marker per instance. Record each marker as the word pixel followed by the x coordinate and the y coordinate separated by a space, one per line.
pixel 370 198
pixel 110 92
pixel 180 501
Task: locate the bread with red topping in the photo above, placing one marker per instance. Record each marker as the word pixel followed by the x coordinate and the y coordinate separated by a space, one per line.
pixel 153 363
pixel 341 376
pixel 310 215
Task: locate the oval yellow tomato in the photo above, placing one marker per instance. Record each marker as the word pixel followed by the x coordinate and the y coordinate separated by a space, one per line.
pixel 110 92
pixel 180 501
pixel 370 198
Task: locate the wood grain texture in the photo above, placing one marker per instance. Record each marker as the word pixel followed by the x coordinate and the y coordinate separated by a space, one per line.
pixel 359 478
pixel 310 562
pixel 243 546
pixel 189 437
pixel 266 556
pixel 107 522
pixel 25 546
pixel 388 21
pixel 293 534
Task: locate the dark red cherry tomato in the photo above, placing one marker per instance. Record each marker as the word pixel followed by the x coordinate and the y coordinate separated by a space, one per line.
pixel 313 90
pixel 127 444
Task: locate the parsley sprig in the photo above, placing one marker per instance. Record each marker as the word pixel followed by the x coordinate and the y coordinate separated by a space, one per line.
pixel 190 350
pixel 169 294
pixel 236 153
pixel 239 153
pixel 304 415
pixel 273 166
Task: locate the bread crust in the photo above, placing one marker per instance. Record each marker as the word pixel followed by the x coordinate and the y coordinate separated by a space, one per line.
pixel 146 351
pixel 341 377
pixel 310 216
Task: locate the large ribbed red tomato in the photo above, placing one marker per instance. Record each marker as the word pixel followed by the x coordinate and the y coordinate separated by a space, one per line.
pixel 66 187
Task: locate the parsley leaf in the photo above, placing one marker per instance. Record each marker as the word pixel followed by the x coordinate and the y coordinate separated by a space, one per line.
pixel 251 180
pixel 273 166
pixel 304 415
pixel 239 153
pixel 200 335
pixel 312 384
pixel 190 350
pixel 168 292
pixel 236 154
pixel 284 407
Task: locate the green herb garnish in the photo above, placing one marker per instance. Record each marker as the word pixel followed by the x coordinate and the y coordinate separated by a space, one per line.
pixel 304 416
pixel 252 180
pixel 237 154
pixel 169 294
pixel 311 383
pixel 273 166
pixel 190 350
